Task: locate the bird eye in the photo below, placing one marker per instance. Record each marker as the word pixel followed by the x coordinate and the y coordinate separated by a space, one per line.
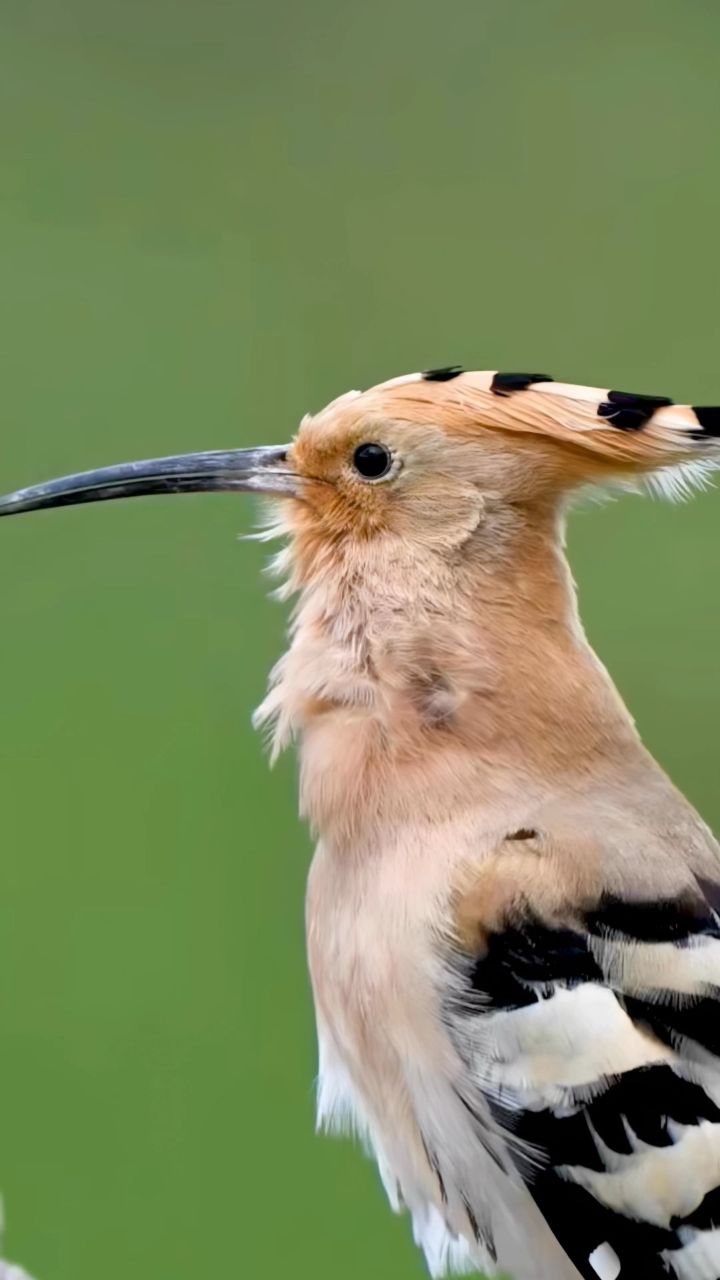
pixel 372 461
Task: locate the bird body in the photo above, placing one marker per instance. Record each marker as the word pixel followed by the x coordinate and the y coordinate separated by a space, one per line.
pixel 473 772
pixel 512 915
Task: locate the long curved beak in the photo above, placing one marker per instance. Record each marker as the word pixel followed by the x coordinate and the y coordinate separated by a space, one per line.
pixel 262 470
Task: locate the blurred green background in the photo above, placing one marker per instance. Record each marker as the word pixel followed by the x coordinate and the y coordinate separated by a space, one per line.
pixel 216 216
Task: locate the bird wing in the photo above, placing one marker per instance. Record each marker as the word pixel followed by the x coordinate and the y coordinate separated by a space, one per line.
pixel 593 1035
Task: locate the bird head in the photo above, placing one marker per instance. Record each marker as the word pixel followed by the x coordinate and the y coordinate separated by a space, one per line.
pixel 429 459
pixel 424 527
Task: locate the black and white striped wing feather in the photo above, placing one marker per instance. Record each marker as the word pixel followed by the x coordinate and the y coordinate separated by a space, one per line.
pixel 597 1048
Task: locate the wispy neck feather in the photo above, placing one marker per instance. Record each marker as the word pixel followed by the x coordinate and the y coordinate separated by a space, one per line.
pixel 413 682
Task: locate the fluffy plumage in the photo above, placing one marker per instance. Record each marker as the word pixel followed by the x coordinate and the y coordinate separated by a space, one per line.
pixel 512 932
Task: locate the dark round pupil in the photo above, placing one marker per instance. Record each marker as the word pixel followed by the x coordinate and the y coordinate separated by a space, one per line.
pixel 372 460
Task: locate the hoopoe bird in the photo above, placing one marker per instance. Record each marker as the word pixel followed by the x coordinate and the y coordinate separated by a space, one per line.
pixel 512 914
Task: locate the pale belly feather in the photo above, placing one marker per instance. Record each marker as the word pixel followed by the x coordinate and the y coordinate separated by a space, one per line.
pixel 390 1074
